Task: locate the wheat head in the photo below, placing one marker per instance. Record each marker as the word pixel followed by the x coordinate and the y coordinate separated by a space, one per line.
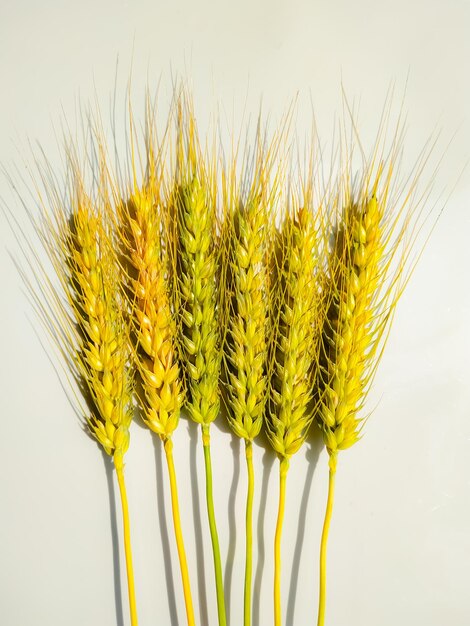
pixel 87 324
pixel 197 265
pixel 153 325
pixel 348 333
pixel 294 349
pixel 377 225
pixel 104 354
pixel 246 341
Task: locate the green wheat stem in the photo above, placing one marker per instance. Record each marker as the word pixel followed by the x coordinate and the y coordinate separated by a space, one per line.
pixel 213 527
pixel 193 225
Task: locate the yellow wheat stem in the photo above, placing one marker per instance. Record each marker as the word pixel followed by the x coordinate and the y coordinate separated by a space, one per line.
pixel 283 467
pixel 127 546
pixel 248 533
pixel 324 541
pixel 373 232
pixel 88 325
pixel 154 333
pixel 348 338
pixel 294 355
pixel 179 534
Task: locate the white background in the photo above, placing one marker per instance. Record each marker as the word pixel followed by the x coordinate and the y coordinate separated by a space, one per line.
pixel 400 537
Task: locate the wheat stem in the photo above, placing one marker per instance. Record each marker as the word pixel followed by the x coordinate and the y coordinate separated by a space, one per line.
pixel 283 467
pixel 196 302
pixel 324 541
pixel 154 335
pixel 213 527
pixel 246 238
pixel 249 532
pixel 127 545
pixel 168 445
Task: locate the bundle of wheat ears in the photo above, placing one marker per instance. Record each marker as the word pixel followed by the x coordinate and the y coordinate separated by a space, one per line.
pixel 192 284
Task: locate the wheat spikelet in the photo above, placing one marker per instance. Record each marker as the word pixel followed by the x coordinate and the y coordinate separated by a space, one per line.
pixel 368 270
pixel 105 351
pixel 247 241
pixel 370 236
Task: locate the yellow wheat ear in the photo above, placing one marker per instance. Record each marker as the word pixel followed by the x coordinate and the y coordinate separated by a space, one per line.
pixel 103 357
pixel 295 301
pixel 370 237
pixel 91 330
pixel 246 342
pixel 84 313
pixel 353 323
pixel 140 221
pixel 152 320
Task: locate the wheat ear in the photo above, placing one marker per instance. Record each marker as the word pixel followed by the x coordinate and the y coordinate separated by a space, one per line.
pixel 105 356
pixel 369 267
pixel 245 349
pixel 154 336
pixel 347 340
pixel 294 353
pixel 88 325
pixel 197 265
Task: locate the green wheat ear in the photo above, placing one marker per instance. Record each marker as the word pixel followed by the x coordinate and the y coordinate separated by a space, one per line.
pixel 198 295
pixel 193 211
